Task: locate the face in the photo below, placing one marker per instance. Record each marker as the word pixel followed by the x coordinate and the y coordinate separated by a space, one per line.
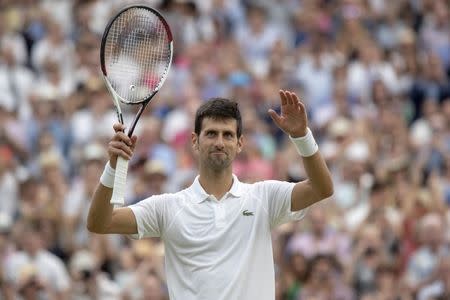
pixel 152 288
pixel 299 264
pixel 256 20
pixel 217 144
pixel 432 235
pixel 322 270
pixel 32 241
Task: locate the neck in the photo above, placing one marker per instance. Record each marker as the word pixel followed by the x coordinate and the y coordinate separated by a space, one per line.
pixel 216 183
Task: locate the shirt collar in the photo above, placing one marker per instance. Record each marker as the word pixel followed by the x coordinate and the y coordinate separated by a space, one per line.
pixel 235 190
pixel 201 195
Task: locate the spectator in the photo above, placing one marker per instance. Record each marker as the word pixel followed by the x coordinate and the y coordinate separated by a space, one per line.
pixel 323 281
pixel 89 282
pixel 387 284
pixel 440 287
pixel 375 75
pixel 321 239
pixel 6 249
pixel 368 255
pixel 153 287
pixel 424 260
pixel 76 199
pixel 9 186
pixel 257 39
pixel 297 265
pixel 152 180
pixel 34 270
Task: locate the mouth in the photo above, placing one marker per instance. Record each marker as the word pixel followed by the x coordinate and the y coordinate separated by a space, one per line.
pixel 217 152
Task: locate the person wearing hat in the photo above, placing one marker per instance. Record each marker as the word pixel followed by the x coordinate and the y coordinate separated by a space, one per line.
pixel 152 180
pixel 34 270
pixel 75 208
pixel 88 280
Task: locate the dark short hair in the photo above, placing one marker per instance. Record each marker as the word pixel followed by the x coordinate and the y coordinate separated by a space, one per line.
pixel 218 109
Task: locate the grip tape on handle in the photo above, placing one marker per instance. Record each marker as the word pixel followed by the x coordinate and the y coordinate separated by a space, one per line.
pixel 120 180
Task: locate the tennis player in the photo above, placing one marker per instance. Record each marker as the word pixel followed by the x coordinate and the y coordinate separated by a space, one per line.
pixel 217 232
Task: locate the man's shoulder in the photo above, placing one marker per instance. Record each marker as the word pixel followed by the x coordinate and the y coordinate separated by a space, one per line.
pixel 165 197
pixel 265 189
pixel 268 184
pixel 258 184
pixel 168 200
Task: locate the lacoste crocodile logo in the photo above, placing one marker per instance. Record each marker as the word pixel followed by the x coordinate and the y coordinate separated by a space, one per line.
pixel 247 213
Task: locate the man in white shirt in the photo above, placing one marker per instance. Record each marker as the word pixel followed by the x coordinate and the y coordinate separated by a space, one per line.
pixel 36 268
pixel 217 231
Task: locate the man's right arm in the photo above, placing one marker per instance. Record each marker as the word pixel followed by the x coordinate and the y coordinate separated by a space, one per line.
pixel 103 217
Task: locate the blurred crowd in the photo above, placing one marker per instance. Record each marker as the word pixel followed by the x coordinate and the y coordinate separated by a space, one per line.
pixel 374 75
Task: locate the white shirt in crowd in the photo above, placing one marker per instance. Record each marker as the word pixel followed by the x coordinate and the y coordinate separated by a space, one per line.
pixel 48 267
pixel 218 249
pixel 9 189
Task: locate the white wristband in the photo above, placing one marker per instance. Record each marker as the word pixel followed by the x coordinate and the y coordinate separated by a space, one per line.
pixel 306 145
pixel 107 178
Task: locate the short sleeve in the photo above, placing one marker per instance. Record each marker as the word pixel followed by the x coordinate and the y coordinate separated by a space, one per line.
pixel 277 196
pixel 150 215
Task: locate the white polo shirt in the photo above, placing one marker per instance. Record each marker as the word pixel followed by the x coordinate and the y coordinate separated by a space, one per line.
pixel 218 249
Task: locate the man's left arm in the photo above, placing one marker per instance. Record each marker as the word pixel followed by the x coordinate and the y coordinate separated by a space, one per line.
pixel 317 187
pixel 293 121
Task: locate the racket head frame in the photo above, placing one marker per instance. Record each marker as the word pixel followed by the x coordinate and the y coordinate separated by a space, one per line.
pixel 116 96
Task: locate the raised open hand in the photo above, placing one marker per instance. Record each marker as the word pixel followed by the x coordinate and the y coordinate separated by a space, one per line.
pixel 293 119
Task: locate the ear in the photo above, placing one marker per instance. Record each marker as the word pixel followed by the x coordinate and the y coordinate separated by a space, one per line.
pixel 240 143
pixel 194 139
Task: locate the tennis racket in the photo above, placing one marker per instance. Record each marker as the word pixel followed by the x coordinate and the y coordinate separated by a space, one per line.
pixel 135 55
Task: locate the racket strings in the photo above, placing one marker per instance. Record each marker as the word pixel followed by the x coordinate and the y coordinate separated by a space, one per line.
pixel 137 54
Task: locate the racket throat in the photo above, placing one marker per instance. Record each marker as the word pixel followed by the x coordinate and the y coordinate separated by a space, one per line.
pixel 119 116
pixel 136 119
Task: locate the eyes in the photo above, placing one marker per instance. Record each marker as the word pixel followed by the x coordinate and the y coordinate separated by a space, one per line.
pixel 213 134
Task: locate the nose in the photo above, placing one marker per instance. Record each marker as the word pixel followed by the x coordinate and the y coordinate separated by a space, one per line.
pixel 219 142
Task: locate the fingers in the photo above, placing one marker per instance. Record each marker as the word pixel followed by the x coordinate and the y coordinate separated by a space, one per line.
pixel 119 127
pixel 283 97
pixel 120 144
pixel 116 148
pixel 294 98
pixel 275 117
pixel 122 137
pixel 301 106
pixel 290 98
pixel 298 102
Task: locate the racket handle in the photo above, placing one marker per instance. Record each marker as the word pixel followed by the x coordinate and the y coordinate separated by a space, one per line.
pixel 120 180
